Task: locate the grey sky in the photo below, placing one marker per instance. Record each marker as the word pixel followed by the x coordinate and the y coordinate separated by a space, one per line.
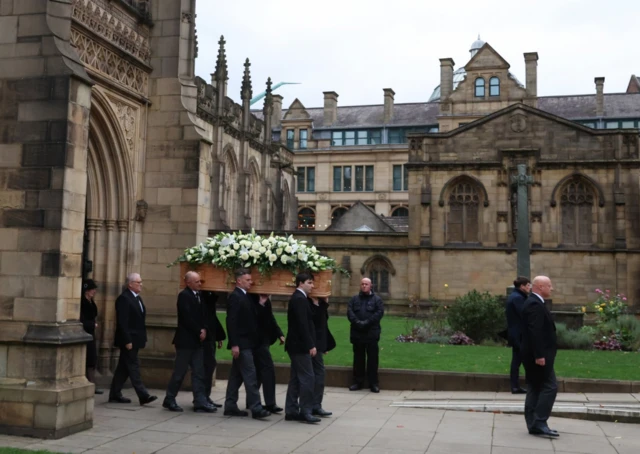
pixel 359 47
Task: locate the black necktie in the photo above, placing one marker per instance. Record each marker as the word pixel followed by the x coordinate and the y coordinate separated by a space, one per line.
pixel 198 297
pixel 140 303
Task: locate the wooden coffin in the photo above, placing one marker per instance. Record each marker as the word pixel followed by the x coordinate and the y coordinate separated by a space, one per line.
pixel 280 282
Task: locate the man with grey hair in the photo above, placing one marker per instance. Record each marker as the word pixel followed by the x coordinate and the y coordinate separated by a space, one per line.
pixel 539 348
pixel 130 336
pixel 189 341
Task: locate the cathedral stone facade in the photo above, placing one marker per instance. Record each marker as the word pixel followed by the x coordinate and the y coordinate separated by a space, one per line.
pixel 114 157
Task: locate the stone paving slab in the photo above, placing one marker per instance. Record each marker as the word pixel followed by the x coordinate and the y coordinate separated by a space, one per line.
pixel 363 422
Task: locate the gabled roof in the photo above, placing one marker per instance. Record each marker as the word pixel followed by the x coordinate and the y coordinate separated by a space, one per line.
pixel 485 58
pixel 297 111
pixel 360 218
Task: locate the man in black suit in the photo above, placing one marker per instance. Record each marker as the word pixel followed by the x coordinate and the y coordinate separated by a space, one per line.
pixel 190 335
pixel 539 348
pixel 515 304
pixel 242 330
pixel 324 343
pixel 365 310
pixel 215 336
pixel 269 332
pixel 130 336
pixel 301 347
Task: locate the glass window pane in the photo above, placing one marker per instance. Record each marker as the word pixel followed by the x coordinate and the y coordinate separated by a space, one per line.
pixel 303 139
pixel 346 185
pixel 405 178
pixel 494 86
pixel 612 125
pixel 337 178
pixel 359 178
pixel 628 124
pixel 362 137
pixel 349 137
pixel 479 85
pixel 397 178
pixel 375 137
pixel 311 179
pixel 336 138
pixel 290 138
pixel 368 186
pixel 301 179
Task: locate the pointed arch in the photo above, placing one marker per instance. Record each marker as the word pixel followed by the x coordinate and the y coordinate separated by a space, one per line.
pixel 577 175
pixel 286 204
pixel 253 193
pixel 457 179
pixel 229 186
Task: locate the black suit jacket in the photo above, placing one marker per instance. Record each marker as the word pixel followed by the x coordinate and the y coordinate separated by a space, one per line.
pixel 269 329
pixel 242 321
pixel 88 315
pixel 538 338
pixel 190 320
pixel 514 307
pixel 301 334
pixel 130 321
pixel 324 339
pixel 215 331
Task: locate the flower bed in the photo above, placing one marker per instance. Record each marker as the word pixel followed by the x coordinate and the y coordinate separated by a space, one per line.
pixel 274 261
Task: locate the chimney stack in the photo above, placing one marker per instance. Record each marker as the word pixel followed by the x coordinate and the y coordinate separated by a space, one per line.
pixel 531 73
pixel 276 114
pixel 388 104
pixel 446 78
pixel 330 107
pixel 599 96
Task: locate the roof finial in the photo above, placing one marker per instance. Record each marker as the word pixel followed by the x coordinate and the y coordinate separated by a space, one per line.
pixel 246 92
pixel 221 63
pixel 268 97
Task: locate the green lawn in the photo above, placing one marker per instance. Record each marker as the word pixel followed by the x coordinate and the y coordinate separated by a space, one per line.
pixel 491 360
pixel 21 451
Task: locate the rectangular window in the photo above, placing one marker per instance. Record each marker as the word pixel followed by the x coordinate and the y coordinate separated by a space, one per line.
pixel 290 138
pixel 397 136
pixel 303 139
pixel 405 178
pixel 368 178
pixel 336 138
pixel 397 178
pixel 346 178
pixel 359 178
pixel 363 137
pixel 611 125
pixel 306 179
pixel 349 138
pixel 628 124
pixel 337 178
pixel 375 137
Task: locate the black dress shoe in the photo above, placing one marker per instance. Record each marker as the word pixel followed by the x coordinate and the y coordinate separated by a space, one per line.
pixel 375 389
pixel 119 400
pixel 98 391
pixel 518 391
pixel 213 403
pixel 273 409
pixel 309 418
pixel 172 406
pixel 544 431
pixel 260 414
pixel 148 399
pixel 235 412
pixel 355 387
pixel 292 417
pixel 321 412
pixel 204 408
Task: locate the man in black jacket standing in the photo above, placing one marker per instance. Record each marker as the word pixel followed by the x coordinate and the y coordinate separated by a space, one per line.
pixel 190 335
pixel 515 304
pixel 269 332
pixel 539 348
pixel 301 347
pixel 215 336
pixel 324 343
pixel 242 330
pixel 130 336
pixel 365 311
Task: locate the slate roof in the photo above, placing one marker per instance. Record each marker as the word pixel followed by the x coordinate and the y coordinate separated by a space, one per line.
pixel 572 107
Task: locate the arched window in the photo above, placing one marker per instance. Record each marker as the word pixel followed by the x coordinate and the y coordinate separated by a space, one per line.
pixel 479 87
pixel 306 219
pixel 400 211
pixel 576 202
pixel 379 268
pixel 462 222
pixel 337 213
pixel 494 86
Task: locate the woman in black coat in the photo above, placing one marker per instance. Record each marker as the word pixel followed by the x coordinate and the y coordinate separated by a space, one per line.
pixel 89 317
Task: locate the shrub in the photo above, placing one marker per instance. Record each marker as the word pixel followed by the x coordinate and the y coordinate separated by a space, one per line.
pixel 460 339
pixel 573 340
pixel 609 307
pixel 626 330
pixel 479 315
pixel 610 343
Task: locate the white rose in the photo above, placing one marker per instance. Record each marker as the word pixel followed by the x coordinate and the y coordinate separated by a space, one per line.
pixel 301 256
pixel 232 253
pixel 309 263
pixel 279 251
pixel 284 259
pixel 317 263
pixel 265 243
pixel 255 246
pixel 262 250
pixel 288 249
pixel 244 256
pixel 192 250
pixel 273 258
pixel 236 246
pixel 189 258
pixel 211 252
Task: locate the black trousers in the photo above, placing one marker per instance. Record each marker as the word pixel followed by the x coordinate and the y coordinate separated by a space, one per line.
pixel 128 367
pixel 188 358
pixel 301 385
pixel 243 370
pixel 541 395
pixel 318 385
pixel 266 373
pixel 210 363
pixel 365 357
pixel 516 360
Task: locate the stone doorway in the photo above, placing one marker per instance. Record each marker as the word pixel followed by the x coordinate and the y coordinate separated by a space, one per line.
pixel 109 218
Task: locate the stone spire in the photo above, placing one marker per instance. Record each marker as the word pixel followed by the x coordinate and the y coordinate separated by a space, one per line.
pixel 245 91
pixel 221 74
pixel 268 97
pixel 267 111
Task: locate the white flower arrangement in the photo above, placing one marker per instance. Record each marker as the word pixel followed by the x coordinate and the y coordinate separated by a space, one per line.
pixel 232 250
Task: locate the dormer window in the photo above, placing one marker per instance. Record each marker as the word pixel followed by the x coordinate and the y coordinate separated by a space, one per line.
pixel 494 86
pixel 479 92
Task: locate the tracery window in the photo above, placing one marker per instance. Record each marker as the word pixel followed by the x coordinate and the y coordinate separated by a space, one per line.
pixel 576 202
pixel 462 221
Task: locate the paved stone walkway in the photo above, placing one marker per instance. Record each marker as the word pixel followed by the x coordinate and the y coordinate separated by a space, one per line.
pixel 362 423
